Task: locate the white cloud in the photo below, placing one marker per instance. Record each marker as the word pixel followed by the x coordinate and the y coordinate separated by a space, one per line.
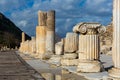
pixel 22 23
pixel 68 12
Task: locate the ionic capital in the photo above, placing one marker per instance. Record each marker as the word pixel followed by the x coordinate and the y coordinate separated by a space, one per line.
pixel 89 28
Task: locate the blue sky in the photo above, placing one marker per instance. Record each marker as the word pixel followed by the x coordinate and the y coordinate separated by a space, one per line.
pixel 68 13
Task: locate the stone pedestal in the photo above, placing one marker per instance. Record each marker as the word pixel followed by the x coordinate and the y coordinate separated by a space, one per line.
pixel 89 47
pixel 115 71
pixel 50 34
pixel 41 40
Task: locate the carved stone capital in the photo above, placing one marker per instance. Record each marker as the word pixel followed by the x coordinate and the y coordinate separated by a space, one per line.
pixel 89 28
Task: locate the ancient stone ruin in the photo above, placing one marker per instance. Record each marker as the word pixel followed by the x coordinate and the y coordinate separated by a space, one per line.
pixel 43 45
pixel 79 48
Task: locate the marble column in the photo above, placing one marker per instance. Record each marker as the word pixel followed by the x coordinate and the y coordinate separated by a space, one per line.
pixel 115 71
pixel 23 37
pixel 41 34
pixel 89 47
pixel 50 33
pixel 22 43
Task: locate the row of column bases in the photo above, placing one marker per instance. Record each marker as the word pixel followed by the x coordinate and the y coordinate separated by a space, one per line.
pixel 89 47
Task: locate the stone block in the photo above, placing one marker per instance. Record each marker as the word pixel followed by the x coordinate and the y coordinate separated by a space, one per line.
pixel 59 48
pixel 70 56
pixel 71 42
pixel 69 62
pixel 89 66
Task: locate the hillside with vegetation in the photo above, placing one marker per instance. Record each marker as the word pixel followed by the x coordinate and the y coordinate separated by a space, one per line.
pixel 10 34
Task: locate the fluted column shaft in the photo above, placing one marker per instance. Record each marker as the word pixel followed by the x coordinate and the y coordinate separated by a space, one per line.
pixel 89 47
pixel 116 34
pixel 115 71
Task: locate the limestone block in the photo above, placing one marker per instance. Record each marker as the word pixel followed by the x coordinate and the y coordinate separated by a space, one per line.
pixel 89 66
pixel 59 48
pixel 70 56
pixel 71 42
pixel 55 59
pixel 40 40
pixel 115 72
pixel 69 62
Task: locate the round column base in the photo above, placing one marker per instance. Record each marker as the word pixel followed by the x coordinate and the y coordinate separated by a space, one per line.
pixel 90 66
pixel 115 73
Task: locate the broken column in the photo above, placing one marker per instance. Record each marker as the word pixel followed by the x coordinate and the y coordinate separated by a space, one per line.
pixel 59 50
pixel 89 47
pixel 23 37
pixel 50 33
pixel 22 43
pixel 70 49
pixel 115 71
pixel 33 46
pixel 41 34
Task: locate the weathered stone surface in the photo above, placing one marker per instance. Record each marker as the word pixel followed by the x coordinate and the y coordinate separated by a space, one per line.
pixel 70 56
pixel 50 32
pixel 55 59
pixel 89 47
pixel 59 48
pixel 41 40
pixel 42 18
pixel 50 41
pixel 71 42
pixel 105 49
pixel 89 66
pixel 69 62
pixel 51 20
pixel 115 72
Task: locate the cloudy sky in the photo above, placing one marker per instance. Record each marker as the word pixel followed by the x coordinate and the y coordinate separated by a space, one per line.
pixel 68 13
